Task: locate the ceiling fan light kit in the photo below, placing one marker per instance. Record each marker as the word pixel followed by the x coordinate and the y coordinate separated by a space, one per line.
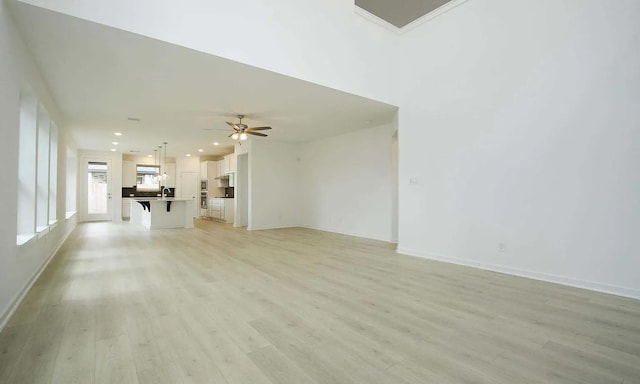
pixel 242 131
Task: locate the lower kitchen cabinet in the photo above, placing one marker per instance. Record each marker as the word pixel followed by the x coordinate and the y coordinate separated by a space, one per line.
pixel 221 209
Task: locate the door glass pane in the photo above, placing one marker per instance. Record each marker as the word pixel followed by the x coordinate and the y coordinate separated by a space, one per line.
pixel 97 196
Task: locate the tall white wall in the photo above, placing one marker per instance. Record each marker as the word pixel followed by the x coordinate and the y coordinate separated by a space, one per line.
pixel 520 124
pixel 20 265
pixel 518 120
pixel 274 179
pixel 346 183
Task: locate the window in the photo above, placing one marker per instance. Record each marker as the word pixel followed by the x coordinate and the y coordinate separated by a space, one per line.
pixel 27 167
pixel 37 170
pixel 72 179
pixel 53 174
pixel 42 201
pixel 148 177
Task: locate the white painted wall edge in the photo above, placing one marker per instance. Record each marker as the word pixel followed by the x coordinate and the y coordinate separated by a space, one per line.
pixel 354 234
pixel 597 287
pixel 412 25
pixel 15 303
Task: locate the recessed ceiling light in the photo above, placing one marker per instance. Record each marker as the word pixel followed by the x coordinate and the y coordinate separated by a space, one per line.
pixel 216 143
pixel 117 133
pixel 200 150
pixel 188 155
pixel 114 142
pixel 113 149
pixel 149 155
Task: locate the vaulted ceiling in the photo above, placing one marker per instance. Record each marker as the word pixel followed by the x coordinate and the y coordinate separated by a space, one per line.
pixel 101 76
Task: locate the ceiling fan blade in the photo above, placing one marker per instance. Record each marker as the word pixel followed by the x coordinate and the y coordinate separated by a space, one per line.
pixel 258 128
pixel 232 134
pixel 234 126
pixel 255 133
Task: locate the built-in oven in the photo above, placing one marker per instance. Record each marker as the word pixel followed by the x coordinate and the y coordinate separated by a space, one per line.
pixel 203 200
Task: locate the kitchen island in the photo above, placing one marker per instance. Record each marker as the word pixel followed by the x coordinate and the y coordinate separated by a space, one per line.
pixel 162 213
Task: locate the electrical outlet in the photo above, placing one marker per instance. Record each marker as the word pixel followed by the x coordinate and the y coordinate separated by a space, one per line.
pixel 502 247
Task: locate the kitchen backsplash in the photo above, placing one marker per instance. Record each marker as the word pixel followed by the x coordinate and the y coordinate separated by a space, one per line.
pixel 129 191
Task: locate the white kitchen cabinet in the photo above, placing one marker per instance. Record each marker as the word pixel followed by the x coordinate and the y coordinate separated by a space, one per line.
pixel 221 182
pixel 128 173
pixel 228 164
pixel 216 208
pixel 221 209
pixel 208 170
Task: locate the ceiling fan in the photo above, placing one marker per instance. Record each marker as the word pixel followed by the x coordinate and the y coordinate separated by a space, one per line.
pixel 241 131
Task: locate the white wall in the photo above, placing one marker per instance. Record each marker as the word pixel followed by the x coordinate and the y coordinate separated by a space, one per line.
pixel 20 265
pixel 346 183
pixel 518 120
pixel 273 179
pixel 521 125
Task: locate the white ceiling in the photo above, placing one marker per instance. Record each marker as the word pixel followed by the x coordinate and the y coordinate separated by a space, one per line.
pixel 100 76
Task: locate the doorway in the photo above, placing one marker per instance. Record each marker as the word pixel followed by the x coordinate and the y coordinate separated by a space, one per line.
pixel 242 191
pixel 98 196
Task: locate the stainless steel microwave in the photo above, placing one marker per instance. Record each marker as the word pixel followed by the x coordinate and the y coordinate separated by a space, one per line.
pixel 204 185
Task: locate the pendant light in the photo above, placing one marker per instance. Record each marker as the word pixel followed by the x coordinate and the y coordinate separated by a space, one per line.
pixel 164 175
pixel 155 162
pixel 159 164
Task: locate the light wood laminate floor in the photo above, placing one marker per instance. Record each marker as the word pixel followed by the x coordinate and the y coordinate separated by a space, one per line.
pixel 121 304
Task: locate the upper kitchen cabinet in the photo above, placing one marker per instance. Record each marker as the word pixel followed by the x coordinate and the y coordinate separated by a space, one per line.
pixel 208 170
pixel 228 164
pixel 128 173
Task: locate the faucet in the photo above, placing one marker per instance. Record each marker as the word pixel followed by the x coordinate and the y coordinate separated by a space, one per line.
pixel 163 190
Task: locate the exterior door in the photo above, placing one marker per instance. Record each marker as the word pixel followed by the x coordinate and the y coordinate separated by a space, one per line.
pixel 98 194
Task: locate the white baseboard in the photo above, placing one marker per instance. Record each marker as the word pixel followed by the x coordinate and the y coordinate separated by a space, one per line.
pixel 254 228
pixel 10 310
pixel 568 281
